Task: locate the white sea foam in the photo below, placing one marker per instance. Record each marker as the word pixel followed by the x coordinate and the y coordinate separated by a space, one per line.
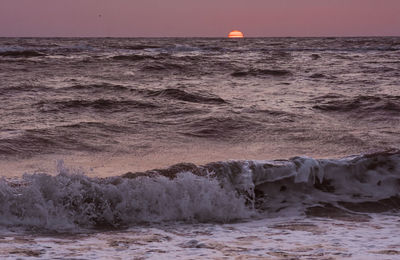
pixel 283 238
pixel 216 192
pixel 72 199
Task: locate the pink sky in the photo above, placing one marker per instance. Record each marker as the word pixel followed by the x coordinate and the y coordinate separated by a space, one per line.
pixel 210 18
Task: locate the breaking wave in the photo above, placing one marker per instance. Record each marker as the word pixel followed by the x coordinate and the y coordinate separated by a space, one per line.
pixel 216 192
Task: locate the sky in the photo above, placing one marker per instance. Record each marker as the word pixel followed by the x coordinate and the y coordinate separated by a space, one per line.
pixel 199 18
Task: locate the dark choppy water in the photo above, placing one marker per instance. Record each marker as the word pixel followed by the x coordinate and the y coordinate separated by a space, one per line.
pixel 121 107
pixel 243 99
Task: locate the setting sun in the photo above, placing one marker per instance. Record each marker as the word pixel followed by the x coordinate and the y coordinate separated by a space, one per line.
pixel 235 34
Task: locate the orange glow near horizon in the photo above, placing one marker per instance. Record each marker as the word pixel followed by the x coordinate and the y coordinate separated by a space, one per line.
pixel 235 34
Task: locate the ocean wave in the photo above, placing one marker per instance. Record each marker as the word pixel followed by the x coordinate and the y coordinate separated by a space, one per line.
pixel 133 57
pixel 315 56
pixel 71 200
pixel 137 47
pixel 363 105
pixel 160 67
pixel 262 72
pixel 318 76
pixel 365 183
pixel 355 49
pixel 219 191
pixel 220 127
pixel 22 88
pixel 33 142
pixel 379 70
pixel 22 53
pixel 101 105
pixel 100 87
pixel 177 94
pixel 95 127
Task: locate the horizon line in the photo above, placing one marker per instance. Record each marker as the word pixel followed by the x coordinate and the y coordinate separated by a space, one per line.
pixel 210 37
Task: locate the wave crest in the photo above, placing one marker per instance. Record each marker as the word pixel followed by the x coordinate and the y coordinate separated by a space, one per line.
pixel 218 191
pixel 71 200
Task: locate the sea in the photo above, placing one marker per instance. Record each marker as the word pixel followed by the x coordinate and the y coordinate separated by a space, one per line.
pixel 200 148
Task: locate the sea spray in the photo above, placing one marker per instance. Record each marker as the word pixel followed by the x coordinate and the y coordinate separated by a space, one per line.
pixel 216 192
pixel 71 199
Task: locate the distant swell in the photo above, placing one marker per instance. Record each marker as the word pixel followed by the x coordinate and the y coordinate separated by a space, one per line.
pixel 360 104
pixel 138 47
pixel 132 57
pixel 218 191
pixel 220 127
pixel 188 97
pixel 44 141
pixel 22 54
pixel 163 67
pixel 96 87
pixel 261 72
pixel 101 105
